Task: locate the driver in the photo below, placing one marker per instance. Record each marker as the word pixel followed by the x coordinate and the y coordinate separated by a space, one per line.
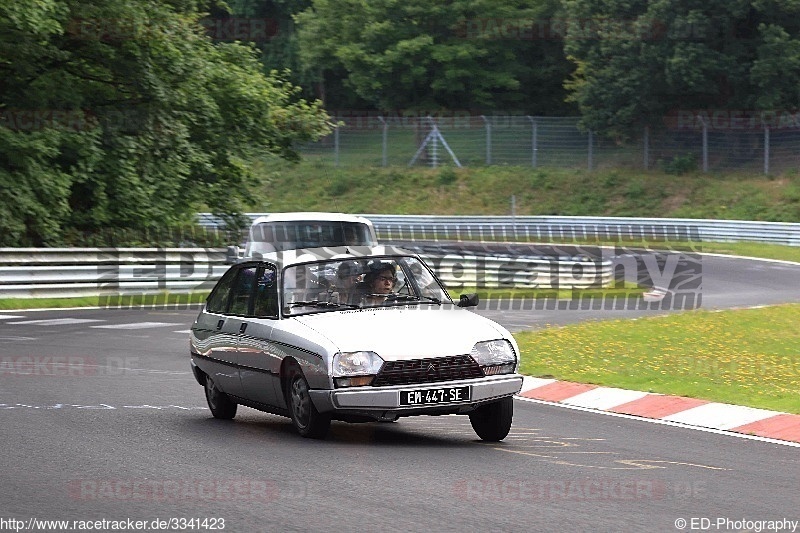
pixel 379 282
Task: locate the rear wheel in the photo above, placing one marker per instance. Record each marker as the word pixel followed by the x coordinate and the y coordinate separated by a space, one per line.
pixel 220 403
pixel 492 421
pixel 306 419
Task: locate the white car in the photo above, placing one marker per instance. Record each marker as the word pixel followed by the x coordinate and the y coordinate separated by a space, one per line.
pixel 354 334
pixel 277 232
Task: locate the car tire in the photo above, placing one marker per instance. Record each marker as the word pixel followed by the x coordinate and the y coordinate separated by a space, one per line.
pixel 219 403
pixel 492 421
pixel 307 420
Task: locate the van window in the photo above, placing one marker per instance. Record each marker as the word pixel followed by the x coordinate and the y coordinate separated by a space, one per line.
pixel 310 234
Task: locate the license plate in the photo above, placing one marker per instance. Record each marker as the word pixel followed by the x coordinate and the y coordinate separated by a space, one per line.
pixel 433 396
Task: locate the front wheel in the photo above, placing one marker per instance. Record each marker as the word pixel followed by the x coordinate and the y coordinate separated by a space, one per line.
pixel 306 419
pixel 492 421
pixel 220 403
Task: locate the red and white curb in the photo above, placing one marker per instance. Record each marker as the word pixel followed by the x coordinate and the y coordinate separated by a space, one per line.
pixel 677 409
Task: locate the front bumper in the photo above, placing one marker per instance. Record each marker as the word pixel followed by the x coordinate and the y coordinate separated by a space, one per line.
pixel 387 399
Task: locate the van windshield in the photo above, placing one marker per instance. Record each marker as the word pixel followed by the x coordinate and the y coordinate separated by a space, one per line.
pixel 311 234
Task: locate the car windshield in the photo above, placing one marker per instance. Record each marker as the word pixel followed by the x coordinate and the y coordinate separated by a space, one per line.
pixel 358 283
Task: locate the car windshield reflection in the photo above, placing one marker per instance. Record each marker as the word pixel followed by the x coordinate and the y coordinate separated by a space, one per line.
pixel 359 283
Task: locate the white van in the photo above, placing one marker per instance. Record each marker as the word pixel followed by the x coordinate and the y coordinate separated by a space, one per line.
pixel 277 232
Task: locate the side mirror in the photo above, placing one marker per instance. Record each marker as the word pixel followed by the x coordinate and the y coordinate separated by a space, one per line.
pixel 468 300
pixel 232 255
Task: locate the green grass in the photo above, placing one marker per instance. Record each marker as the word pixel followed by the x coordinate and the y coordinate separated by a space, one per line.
pixel 133 301
pixel 315 185
pixel 750 249
pixel 484 293
pixel 199 297
pixel 745 357
pixel 743 249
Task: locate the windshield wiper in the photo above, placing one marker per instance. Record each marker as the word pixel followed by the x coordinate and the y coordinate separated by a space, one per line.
pixel 319 303
pixel 409 297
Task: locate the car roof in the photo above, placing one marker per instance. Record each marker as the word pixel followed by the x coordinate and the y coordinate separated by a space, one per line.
pixel 306 255
pixel 310 216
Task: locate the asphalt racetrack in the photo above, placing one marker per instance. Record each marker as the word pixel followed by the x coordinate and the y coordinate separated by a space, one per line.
pixel 103 421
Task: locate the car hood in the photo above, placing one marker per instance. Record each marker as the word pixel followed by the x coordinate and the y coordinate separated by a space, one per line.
pixel 397 333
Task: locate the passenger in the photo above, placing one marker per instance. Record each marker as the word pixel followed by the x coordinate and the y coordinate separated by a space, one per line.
pixel 348 275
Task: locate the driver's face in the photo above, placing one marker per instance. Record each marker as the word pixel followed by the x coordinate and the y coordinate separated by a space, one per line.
pixel 384 282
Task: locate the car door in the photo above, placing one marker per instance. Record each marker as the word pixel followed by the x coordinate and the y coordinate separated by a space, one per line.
pixel 259 359
pixel 215 336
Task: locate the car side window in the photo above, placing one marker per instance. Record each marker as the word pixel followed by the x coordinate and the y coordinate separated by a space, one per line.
pixel 266 297
pixel 242 291
pixel 218 299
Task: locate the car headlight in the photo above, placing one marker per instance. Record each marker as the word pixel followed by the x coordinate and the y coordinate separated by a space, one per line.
pixel 354 369
pixel 494 357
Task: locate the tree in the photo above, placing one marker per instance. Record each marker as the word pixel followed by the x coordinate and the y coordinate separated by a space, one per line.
pixel 421 55
pixel 269 25
pixel 639 60
pixel 124 114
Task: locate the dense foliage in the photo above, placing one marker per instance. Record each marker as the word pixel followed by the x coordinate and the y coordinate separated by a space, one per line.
pixel 643 59
pixel 134 114
pixel 124 114
pixel 421 55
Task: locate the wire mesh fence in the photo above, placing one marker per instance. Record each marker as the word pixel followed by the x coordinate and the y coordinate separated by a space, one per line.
pixel 473 140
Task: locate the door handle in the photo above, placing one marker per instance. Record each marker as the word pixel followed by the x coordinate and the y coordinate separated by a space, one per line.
pixel 243 327
pixel 220 323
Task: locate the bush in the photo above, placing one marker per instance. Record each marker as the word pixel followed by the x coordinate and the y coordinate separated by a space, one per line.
pixel 680 165
pixel 447 176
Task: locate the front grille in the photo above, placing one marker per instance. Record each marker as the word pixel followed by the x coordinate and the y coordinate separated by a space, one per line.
pixel 427 371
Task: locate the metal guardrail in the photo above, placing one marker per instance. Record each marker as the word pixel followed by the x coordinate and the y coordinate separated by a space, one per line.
pixel 459 271
pixel 71 272
pixel 570 229
pixel 68 272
